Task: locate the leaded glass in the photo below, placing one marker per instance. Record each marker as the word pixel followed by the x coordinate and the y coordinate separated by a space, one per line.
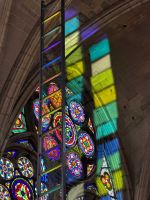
pixel 22 190
pixel 6 169
pixel 4 193
pixel 25 167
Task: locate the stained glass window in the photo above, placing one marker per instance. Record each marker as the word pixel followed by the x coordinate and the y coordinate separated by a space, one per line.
pixel 25 167
pixel 4 193
pixel 21 189
pixel 20 124
pixel 6 169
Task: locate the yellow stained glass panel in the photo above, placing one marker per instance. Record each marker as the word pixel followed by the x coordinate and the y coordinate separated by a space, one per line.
pixel 102 80
pixel 75 70
pixel 105 97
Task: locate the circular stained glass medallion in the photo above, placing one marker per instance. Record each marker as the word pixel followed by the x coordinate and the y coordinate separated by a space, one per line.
pixel 54 154
pixel 36 106
pixel 45 110
pixel 25 167
pixel 70 132
pixel 74 165
pixel 22 190
pixel 86 144
pixel 57 124
pixel 46 122
pixel 51 145
pixel 52 88
pixel 76 112
pixel 69 127
pixel 4 194
pixel 6 169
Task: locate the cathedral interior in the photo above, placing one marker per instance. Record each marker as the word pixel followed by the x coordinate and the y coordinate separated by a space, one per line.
pixel 99 99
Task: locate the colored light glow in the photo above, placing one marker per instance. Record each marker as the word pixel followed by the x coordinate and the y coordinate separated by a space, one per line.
pixel 106 129
pixel 70 13
pixel 101 65
pixel 71 25
pixel 104 97
pixel 75 70
pixel 88 32
pixel 102 80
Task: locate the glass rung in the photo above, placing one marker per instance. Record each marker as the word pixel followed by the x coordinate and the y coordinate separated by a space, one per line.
pixel 52 61
pixel 53 111
pixel 52 31
pixel 53 189
pixel 52 16
pixel 52 78
pixel 51 170
pixel 51 46
pixel 47 97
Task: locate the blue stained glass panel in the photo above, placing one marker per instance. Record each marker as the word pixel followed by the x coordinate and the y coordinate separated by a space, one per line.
pixel 119 195
pixel 112 146
pixel 105 198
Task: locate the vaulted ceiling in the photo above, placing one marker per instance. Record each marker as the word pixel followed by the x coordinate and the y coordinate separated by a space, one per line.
pixel 127 24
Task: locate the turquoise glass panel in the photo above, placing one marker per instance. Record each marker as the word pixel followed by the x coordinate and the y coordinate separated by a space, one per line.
pixel 99 50
pixel 105 113
pixel 114 161
pixel 76 85
pixel 71 25
pixel 77 97
pixel 106 129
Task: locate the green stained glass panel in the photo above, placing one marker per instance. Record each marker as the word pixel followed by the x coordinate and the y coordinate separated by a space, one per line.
pixel 106 129
pixel 105 113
